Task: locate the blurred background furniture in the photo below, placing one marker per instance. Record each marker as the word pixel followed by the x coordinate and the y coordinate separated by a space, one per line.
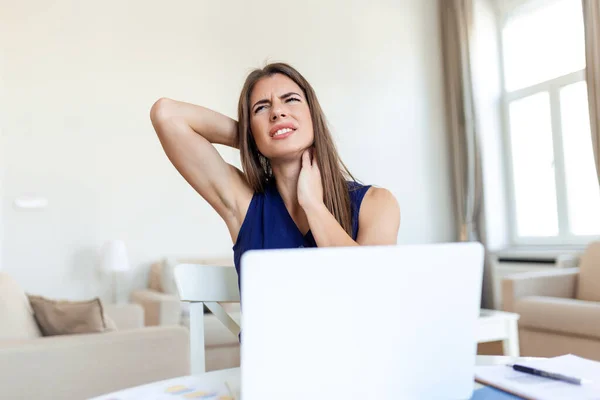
pixel 114 261
pixel 79 366
pixel 559 310
pixel 207 286
pixel 162 306
pixel 501 326
pixel 504 264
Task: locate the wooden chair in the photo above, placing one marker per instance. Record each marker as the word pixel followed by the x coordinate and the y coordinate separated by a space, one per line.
pixel 206 285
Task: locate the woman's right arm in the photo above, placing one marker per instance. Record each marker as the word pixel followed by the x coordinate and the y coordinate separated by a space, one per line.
pixel 186 133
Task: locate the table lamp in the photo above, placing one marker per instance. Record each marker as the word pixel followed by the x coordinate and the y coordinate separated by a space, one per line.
pixel 114 260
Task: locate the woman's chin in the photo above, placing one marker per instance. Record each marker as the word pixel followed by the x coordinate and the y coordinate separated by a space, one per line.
pixel 288 156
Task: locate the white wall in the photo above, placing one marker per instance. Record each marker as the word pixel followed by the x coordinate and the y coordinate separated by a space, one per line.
pixel 81 77
pixel 2 146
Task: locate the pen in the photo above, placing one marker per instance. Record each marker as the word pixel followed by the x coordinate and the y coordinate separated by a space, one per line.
pixel 546 374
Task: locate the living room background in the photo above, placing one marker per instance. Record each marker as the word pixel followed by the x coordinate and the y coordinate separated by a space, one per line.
pixel 79 81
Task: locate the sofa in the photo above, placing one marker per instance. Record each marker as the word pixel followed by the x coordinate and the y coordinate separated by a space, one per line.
pixel 560 310
pixel 79 366
pixel 160 300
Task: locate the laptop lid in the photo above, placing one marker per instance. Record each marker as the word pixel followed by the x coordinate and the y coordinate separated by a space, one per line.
pixel 389 322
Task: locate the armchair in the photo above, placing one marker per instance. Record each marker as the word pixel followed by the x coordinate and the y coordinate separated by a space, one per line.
pixel 560 310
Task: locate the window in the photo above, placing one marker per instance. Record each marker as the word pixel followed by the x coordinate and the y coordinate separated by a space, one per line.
pixel 554 191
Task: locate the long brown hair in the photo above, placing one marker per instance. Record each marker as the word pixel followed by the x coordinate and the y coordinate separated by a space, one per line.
pixel 257 168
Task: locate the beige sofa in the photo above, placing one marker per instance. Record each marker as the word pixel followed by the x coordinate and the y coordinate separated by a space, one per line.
pixel 560 310
pixel 161 304
pixel 85 365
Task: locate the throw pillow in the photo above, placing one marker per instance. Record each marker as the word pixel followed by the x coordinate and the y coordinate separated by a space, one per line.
pixel 155 276
pixel 63 317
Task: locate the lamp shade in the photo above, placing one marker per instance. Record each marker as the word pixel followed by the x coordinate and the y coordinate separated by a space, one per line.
pixel 114 256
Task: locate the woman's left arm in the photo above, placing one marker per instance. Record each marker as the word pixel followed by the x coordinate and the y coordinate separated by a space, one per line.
pixel 379 221
pixel 379 218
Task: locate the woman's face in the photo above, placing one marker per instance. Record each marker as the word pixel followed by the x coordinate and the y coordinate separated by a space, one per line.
pixel 280 118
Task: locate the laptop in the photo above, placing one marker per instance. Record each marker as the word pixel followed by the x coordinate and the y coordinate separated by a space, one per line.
pixel 365 322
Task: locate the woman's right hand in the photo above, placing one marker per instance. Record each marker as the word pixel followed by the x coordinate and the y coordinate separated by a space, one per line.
pixel 187 133
pixel 310 186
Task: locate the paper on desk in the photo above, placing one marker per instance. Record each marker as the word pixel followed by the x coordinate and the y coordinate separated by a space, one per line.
pixel 533 387
pixel 183 388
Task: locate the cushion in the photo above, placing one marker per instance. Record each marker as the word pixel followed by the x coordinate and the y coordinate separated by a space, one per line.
pixel 155 276
pixel 16 316
pixel 167 277
pixel 63 317
pixel 589 273
pixel 563 316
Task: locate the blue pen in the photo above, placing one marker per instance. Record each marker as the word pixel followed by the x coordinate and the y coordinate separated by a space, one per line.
pixel 546 374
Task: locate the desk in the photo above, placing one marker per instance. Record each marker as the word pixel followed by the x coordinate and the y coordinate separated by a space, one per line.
pixel 216 379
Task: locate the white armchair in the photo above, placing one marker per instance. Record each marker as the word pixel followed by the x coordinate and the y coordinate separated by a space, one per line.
pixel 560 310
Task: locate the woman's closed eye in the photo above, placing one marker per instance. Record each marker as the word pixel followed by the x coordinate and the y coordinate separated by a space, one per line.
pixel 288 100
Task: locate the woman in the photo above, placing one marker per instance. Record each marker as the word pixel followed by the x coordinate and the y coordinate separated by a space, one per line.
pixel 293 191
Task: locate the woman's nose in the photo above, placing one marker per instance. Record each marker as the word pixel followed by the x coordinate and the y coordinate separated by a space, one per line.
pixel 277 113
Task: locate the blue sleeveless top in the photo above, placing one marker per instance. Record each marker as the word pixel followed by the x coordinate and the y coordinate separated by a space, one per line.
pixel 268 225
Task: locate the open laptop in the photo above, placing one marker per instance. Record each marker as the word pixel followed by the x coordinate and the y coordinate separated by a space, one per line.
pixel 380 322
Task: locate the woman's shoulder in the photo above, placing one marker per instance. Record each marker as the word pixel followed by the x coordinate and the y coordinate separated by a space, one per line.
pixel 378 199
pixel 372 195
pixel 354 185
pixel 357 191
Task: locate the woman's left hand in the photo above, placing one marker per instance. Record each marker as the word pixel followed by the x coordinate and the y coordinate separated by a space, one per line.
pixel 310 188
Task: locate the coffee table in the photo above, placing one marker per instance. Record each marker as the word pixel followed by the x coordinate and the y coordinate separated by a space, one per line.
pixel 192 387
pixel 499 326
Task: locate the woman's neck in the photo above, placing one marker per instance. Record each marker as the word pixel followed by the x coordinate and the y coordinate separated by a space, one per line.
pixel 286 175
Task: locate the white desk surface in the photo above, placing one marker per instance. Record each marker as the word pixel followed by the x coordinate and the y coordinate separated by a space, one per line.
pixel 216 380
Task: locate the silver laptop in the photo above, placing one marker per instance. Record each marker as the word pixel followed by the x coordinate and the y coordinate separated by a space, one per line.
pixel 381 322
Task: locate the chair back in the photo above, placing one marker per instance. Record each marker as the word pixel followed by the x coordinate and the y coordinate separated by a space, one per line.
pixel 207 283
pixel 206 286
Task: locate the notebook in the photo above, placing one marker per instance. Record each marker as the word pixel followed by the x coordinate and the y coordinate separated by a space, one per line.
pixel 533 387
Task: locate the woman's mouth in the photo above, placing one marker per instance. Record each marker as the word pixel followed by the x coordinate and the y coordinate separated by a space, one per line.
pixel 283 133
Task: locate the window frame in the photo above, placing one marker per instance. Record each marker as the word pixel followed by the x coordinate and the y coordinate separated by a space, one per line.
pixel 552 87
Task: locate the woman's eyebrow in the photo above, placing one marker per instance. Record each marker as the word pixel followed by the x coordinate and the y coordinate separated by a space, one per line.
pixel 282 97
pixel 285 96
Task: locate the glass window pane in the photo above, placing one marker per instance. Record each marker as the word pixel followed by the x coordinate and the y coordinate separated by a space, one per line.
pixel 583 192
pixel 543 43
pixel 533 166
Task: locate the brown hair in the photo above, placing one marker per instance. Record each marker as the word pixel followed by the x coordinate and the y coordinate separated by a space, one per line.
pixel 257 168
